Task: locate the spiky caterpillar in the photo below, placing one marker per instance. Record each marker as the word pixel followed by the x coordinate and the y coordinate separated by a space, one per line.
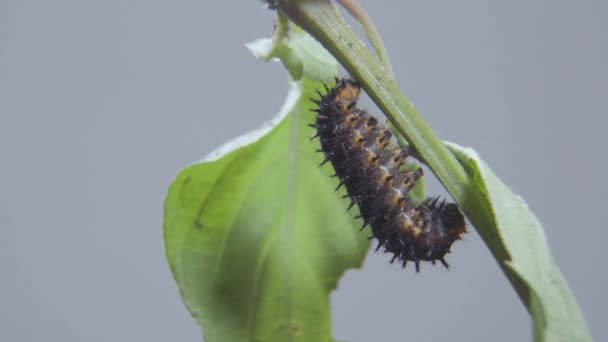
pixel 368 163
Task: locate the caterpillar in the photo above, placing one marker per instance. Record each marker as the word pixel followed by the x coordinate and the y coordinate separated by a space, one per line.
pixel 369 163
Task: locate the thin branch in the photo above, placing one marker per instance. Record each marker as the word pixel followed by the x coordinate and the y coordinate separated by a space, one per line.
pixel 358 12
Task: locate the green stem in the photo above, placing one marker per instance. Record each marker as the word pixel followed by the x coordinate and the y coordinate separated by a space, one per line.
pixel 358 12
pixel 281 29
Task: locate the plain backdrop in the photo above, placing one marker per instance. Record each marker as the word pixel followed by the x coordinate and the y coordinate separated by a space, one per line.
pixel 103 102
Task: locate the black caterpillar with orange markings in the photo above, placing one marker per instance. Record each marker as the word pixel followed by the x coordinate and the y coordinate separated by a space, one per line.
pixel 368 163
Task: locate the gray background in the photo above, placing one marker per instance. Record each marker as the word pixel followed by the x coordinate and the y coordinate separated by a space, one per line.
pixel 102 102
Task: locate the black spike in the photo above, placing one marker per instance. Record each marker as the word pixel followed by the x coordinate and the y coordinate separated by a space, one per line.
pixel 314 136
pixel 320 93
pixel 315 110
pixel 433 201
pixel 324 161
pixel 352 204
pixel 417 262
pixel 404 263
pixel 365 224
pixel 315 100
pixel 342 181
pixel 444 263
pixel 326 87
pixel 312 125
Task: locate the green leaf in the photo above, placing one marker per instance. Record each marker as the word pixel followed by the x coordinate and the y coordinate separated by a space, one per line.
pixel 528 262
pixel 255 235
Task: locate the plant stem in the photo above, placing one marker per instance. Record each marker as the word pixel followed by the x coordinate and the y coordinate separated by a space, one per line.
pixel 358 12
pixel 281 29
